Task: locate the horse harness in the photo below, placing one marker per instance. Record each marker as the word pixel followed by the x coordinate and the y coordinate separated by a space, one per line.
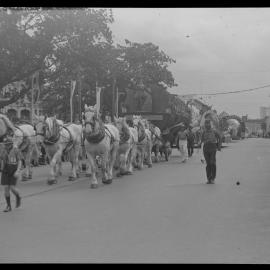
pixel 142 137
pixel 97 138
pixel 124 137
pixel 25 141
pixel 54 138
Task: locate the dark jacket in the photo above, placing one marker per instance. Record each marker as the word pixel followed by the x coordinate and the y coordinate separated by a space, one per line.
pixel 211 139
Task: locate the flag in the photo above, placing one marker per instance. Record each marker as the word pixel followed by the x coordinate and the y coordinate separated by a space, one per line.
pixel 72 89
pixel 35 86
pixel 73 85
pixel 98 93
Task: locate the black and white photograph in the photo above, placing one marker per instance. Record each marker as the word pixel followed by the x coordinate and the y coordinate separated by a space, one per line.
pixel 135 135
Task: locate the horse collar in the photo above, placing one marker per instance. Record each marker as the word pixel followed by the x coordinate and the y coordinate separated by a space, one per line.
pixel 124 137
pixel 95 138
pixel 141 138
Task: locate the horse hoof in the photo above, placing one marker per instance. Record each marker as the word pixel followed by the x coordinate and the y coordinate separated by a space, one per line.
pixel 94 186
pixel 24 178
pixel 124 173
pixel 71 178
pixel 150 165
pixel 119 175
pixel 51 182
pixel 88 174
pixel 107 182
pixel 128 173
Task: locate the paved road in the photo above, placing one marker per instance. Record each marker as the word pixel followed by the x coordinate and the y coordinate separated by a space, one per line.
pixel 165 214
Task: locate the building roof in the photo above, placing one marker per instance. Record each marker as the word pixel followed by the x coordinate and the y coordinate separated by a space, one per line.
pixel 255 120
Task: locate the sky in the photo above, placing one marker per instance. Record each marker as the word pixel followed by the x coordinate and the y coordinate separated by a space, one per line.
pixel 216 50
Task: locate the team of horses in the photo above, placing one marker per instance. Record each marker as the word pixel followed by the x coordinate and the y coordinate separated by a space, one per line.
pixel 115 148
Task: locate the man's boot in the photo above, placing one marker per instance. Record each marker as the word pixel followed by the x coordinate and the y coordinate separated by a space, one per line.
pixel 8 208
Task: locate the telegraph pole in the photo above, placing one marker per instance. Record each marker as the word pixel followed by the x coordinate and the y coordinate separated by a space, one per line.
pixel 80 92
pixel 116 103
pixel 113 98
pixel 32 105
pixel 80 99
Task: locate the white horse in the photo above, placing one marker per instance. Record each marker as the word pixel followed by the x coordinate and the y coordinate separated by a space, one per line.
pixel 101 140
pixel 144 145
pixel 156 140
pixel 127 146
pixel 23 138
pixel 58 139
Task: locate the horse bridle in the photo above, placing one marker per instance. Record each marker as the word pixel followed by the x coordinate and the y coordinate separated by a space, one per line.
pixel 91 123
pixel 43 128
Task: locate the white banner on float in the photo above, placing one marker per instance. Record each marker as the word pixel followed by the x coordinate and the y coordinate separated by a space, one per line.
pixel 98 92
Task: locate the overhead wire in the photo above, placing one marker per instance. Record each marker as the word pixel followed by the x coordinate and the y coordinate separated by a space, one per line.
pixel 229 92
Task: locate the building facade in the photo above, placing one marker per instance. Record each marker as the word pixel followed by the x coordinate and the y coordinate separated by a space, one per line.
pixel 21 110
pixel 254 126
pixel 264 112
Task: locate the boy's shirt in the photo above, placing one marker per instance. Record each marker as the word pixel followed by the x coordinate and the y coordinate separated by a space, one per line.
pixel 14 156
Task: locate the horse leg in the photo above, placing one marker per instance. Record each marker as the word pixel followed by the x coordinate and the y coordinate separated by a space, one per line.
pixel 111 161
pixel 122 160
pixel 27 174
pixel 73 174
pixel 136 159
pixel 60 167
pixel 149 155
pixel 53 163
pixel 140 158
pixel 105 168
pixel 116 165
pixel 89 168
pixel 129 162
pixel 157 153
pixel 77 162
pixel 93 170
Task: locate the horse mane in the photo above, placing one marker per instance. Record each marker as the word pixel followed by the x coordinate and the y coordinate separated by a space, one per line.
pixel 7 122
pixel 53 126
pixel 125 128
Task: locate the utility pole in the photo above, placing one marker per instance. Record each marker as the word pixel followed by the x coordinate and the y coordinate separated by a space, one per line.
pixel 32 105
pixel 113 98
pixel 80 99
pixel 116 103
pixel 80 92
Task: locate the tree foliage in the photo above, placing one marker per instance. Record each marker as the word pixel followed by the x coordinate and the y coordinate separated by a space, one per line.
pixel 74 44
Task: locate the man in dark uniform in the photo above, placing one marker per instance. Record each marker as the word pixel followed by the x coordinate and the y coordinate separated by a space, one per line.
pixel 212 142
pixel 190 141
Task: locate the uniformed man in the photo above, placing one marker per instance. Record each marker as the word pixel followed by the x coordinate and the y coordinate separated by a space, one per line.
pixel 212 142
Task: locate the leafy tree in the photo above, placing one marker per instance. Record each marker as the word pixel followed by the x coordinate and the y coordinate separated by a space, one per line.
pixel 54 41
pixel 85 39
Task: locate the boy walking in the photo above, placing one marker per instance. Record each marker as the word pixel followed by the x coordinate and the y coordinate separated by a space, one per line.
pixel 11 162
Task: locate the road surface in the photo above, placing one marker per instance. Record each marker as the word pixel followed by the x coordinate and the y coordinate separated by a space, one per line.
pixel 163 214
